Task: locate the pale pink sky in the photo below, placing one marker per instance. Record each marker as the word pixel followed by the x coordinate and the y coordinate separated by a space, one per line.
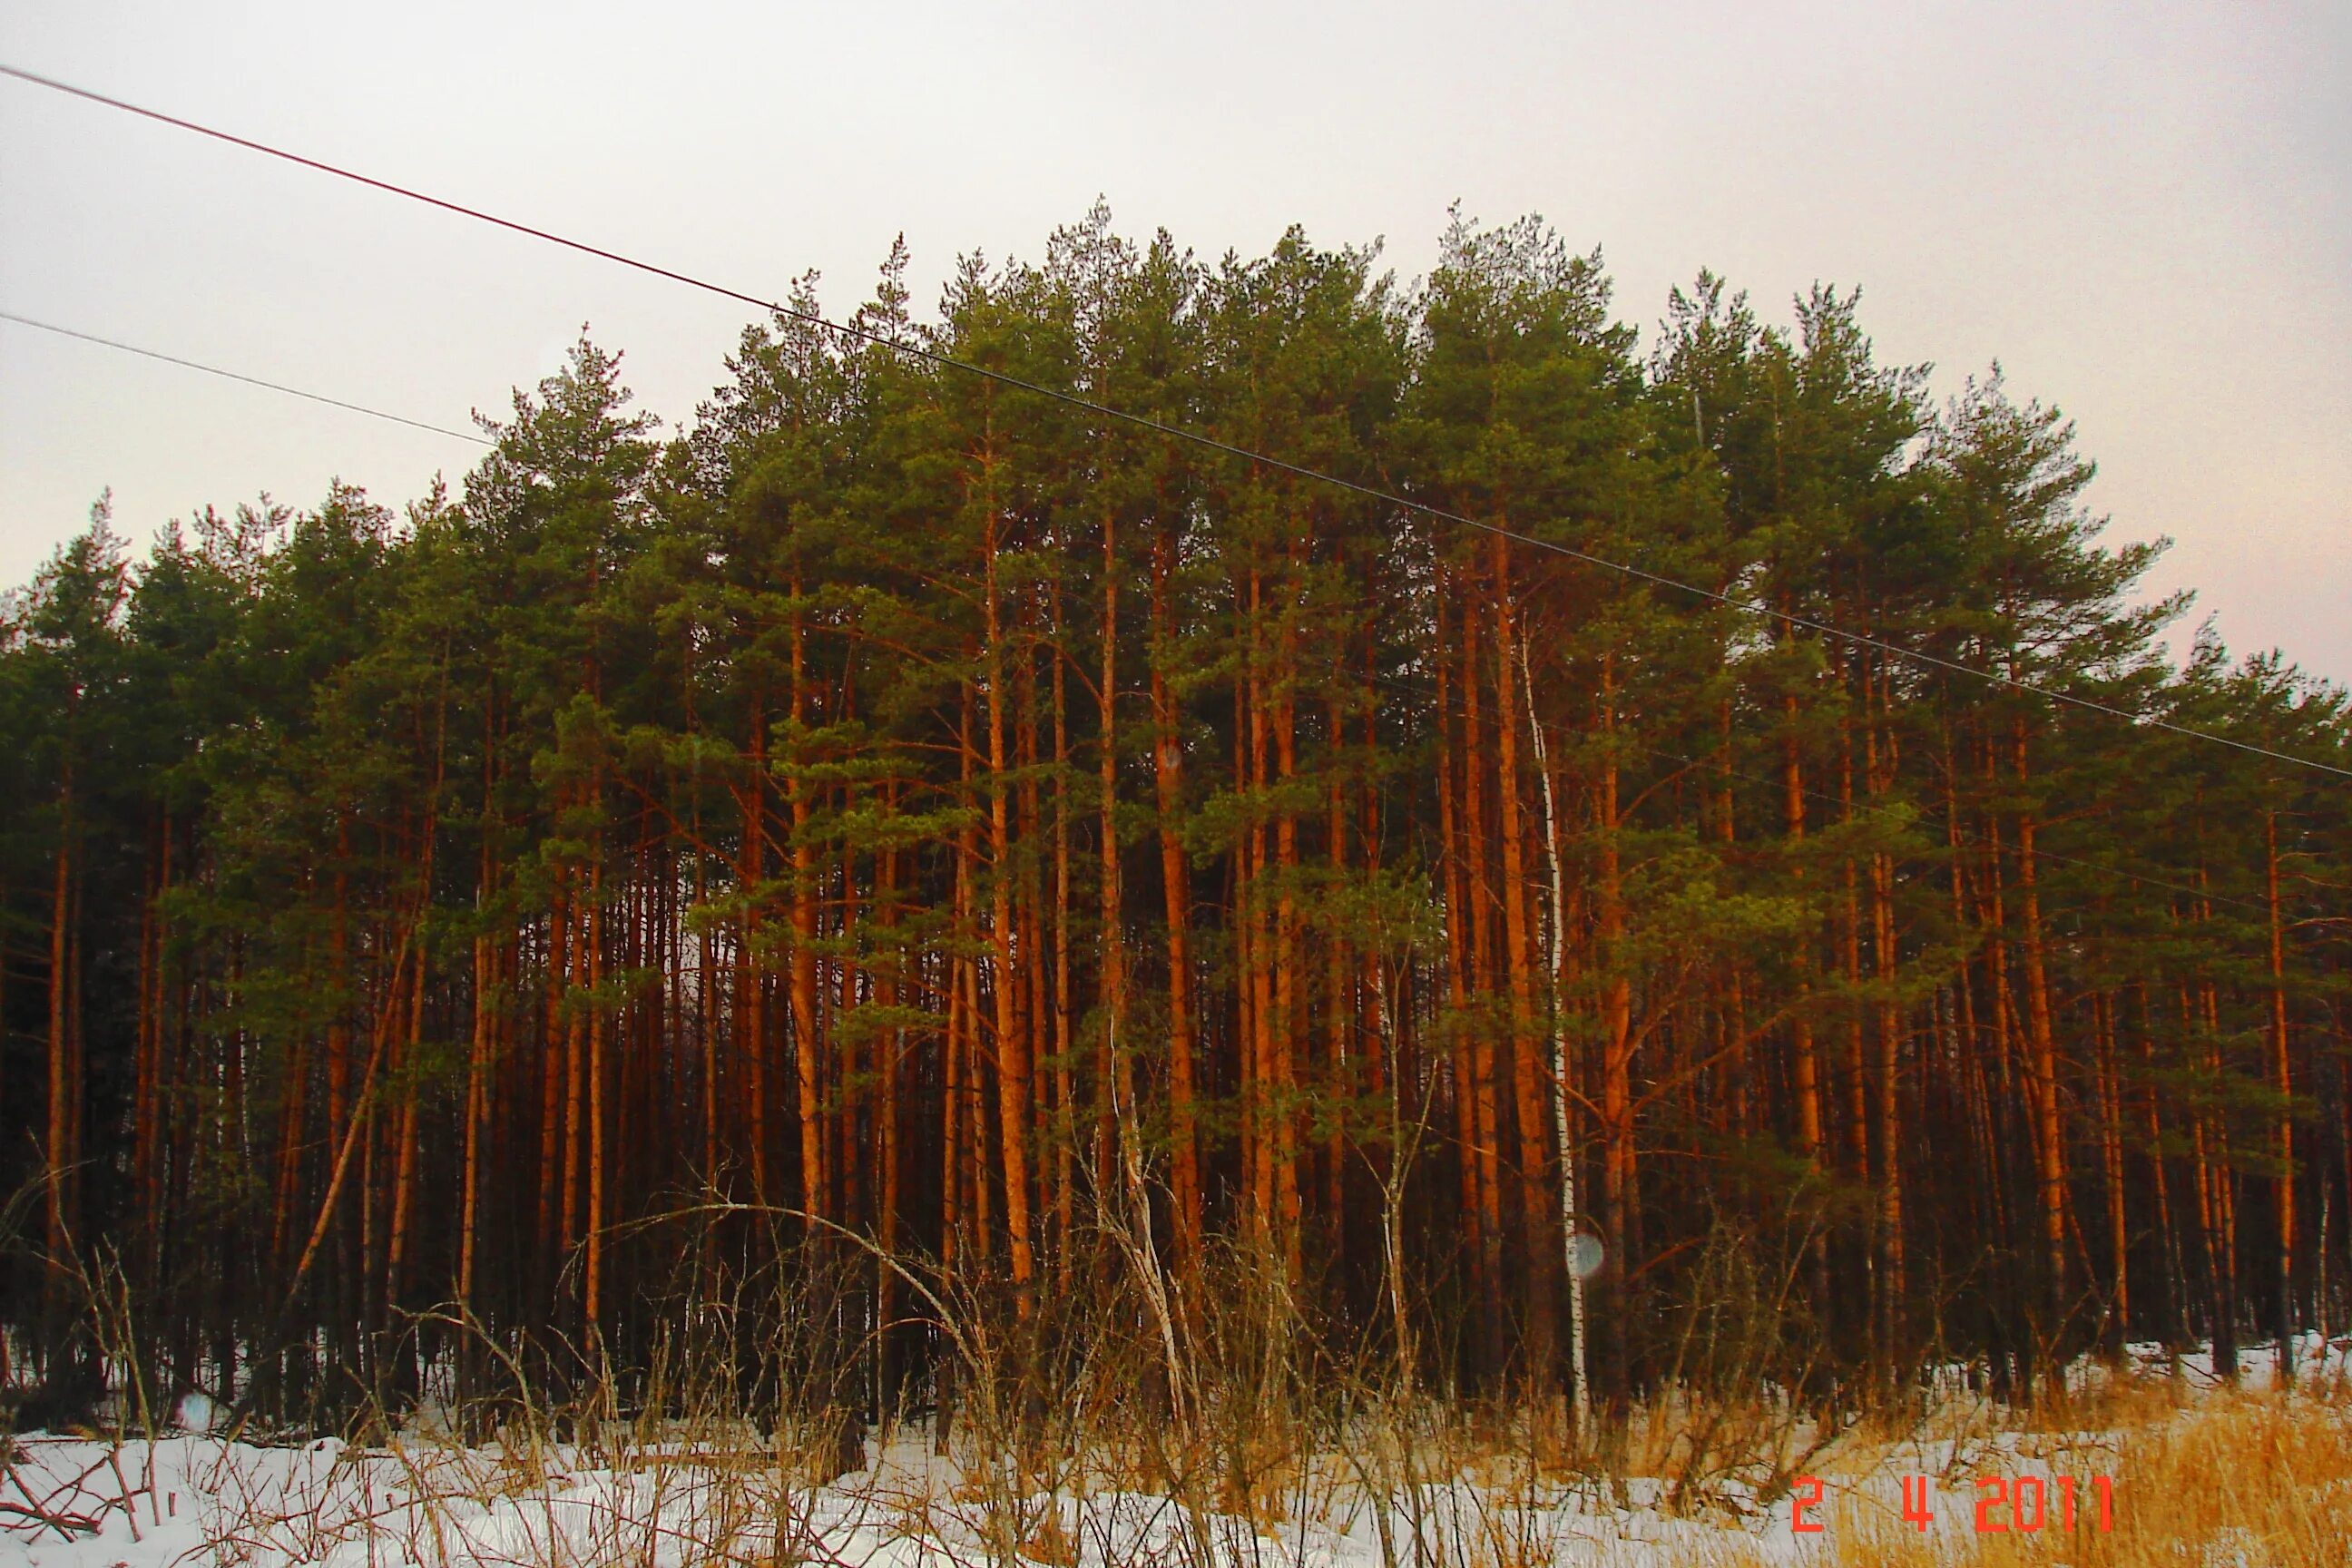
pixel 2144 212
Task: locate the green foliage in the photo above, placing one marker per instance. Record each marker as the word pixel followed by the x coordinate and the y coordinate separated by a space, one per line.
pixel 673 758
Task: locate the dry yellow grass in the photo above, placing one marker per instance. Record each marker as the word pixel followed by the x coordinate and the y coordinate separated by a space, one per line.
pixel 2219 1480
pixel 2231 1480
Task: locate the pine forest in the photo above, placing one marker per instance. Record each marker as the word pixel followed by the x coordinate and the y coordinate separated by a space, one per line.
pixel 899 877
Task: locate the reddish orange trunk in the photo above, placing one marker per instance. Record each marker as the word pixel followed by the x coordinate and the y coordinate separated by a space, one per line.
pixel 1012 1066
pixel 807 1065
pixel 1168 786
pixel 1487 1118
pixel 1536 1185
pixel 2050 1152
pixel 1617 1045
pixel 2283 1079
pixel 1289 1021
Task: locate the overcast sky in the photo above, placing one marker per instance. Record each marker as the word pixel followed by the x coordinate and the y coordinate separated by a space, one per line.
pixel 2144 212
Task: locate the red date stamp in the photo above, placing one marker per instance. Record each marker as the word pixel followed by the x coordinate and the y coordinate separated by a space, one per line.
pixel 2004 1505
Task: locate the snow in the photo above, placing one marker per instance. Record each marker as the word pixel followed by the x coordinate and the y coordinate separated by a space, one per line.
pixel 198 1499
pixel 78 1501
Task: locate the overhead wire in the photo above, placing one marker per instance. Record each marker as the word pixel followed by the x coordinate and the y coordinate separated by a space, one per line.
pixel 239 376
pixel 1405 687
pixel 947 361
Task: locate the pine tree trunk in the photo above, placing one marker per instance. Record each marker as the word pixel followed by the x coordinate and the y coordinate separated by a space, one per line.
pixel 1561 1089
pixel 751 1021
pixel 888 1077
pixel 1486 1109
pixel 1804 1066
pixel 808 1076
pixel 2283 1187
pixel 1012 1089
pixel 550 1223
pixel 1289 1019
pixel 1617 1194
pixel 1342 1017
pixel 1528 1074
pixel 1168 786
pixel 1458 976
pixel 2111 1159
pixel 60 1157
pixel 1879 757
pixel 2050 1149
pixel 596 1072
pixel 1119 1050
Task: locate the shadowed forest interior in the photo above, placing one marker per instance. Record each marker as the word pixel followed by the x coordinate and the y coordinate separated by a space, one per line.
pixel 900 840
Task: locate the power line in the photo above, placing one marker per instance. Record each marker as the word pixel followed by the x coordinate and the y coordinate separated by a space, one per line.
pixel 1174 432
pixel 1409 687
pixel 236 375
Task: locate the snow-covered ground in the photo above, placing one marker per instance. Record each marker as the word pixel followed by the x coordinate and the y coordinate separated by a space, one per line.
pixel 197 1499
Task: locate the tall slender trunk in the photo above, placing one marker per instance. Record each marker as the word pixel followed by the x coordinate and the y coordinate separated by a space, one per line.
pixel 1458 960
pixel 1013 1091
pixel 1804 1066
pixel 1879 769
pixel 1891 1259
pixel 1486 1109
pixel 577 1006
pixel 1579 1390
pixel 955 1076
pixel 1737 1068
pixel 146 1146
pixel 808 1067
pixel 886 1114
pixel 751 979
pixel 1527 1074
pixel 1033 994
pixel 2049 1148
pixel 550 1223
pixel 1618 1196
pixel 594 1069
pixel 1168 786
pixel 61 1157
pixel 341 1115
pixel 486 1001
pixel 408 1136
pixel 954 1121
pixel 2111 1162
pixel 2171 1325
pixel 1857 1087
pixel 1289 1020
pixel 1341 1006
pixel 1065 1085
pixel 1118 1052
pixel 1260 1100
pixel 486 986
pixel 2283 1187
